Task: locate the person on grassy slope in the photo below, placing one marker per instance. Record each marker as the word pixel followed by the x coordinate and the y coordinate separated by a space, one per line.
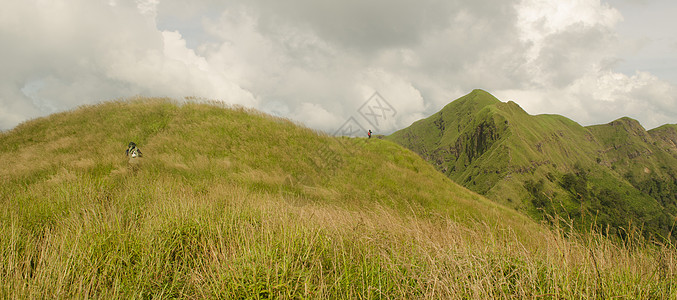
pixel 133 151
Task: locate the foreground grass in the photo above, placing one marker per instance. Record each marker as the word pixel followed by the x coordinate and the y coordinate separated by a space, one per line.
pixel 214 213
pixel 158 237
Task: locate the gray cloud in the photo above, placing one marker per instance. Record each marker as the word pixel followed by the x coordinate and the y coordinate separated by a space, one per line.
pixel 54 56
pixel 362 25
pixel 318 61
pixel 573 50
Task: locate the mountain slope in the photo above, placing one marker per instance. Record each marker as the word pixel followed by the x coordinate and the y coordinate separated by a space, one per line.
pixel 550 165
pixel 645 159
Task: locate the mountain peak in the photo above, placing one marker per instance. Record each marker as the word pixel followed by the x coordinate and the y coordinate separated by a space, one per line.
pixel 478 95
pixel 628 123
pixel 472 102
pixel 631 126
pixel 479 92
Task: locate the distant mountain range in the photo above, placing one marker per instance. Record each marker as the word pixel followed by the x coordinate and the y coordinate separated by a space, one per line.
pixel 611 175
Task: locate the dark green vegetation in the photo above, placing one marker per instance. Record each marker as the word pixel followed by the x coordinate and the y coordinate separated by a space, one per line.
pixel 617 174
pixel 229 203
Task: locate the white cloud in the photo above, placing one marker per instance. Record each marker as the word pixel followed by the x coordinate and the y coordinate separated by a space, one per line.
pixel 598 98
pixel 61 54
pixel 315 116
pixel 398 92
pixel 148 8
pixel 573 51
pixel 317 61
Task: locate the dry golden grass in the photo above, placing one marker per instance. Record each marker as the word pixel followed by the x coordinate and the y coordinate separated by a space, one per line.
pixel 227 242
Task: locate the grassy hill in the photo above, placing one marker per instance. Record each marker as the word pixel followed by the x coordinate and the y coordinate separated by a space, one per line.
pixel 232 203
pixel 545 165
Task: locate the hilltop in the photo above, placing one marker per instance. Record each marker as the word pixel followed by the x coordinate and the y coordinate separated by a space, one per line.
pixel 544 165
pixel 232 203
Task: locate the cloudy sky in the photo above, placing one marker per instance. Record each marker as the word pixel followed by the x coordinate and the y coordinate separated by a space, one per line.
pixel 318 61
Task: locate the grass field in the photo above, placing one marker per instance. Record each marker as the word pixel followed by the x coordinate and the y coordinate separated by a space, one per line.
pixel 230 203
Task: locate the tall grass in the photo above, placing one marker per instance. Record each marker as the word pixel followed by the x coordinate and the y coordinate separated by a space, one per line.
pixel 216 214
pixel 160 237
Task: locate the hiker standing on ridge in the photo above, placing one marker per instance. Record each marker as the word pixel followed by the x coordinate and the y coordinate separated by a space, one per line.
pixel 369 133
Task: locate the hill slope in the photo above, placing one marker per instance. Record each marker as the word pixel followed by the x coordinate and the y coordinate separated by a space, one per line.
pixel 548 164
pixel 230 203
pixel 195 143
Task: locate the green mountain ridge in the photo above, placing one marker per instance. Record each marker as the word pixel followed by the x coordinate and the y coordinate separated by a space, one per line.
pixel 544 165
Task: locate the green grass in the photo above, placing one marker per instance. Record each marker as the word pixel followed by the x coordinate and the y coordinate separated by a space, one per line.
pixel 231 203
